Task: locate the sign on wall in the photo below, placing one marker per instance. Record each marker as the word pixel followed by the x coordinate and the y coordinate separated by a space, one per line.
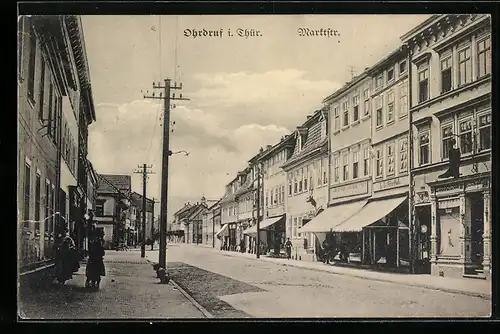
pixel 389 184
pixel 352 189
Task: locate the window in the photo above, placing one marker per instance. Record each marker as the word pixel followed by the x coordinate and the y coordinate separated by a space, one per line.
pixel 355 157
pixel 465 128
pixel 355 104
pixel 390 74
pixel 306 176
pixel 295 227
pixel 346 167
pixel 423 142
pixel 289 184
pixel 464 67
pixel 403 155
pixel 50 114
pixel 325 172
pixel 484 132
pixel 336 169
pixel 380 120
pixel 282 194
pixel 31 63
pixel 403 99
pixel 446 74
pixel 423 85
pixel 267 198
pixel 366 95
pixel 484 56
pixel 380 163
pixel 345 107
pixel 289 228
pixel 99 208
pixel 379 81
pixel 47 206
pixel 38 204
pixel 390 106
pixel 319 169
pixel 390 159
pixel 402 67
pixel 366 161
pixel 323 129
pixel 299 142
pixel 42 92
pixel 337 118
pixel 295 184
pixel 301 178
pixel 271 198
pixel 27 194
pixel 446 137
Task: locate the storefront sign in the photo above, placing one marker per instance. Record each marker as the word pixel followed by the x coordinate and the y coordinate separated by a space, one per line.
pixel 449 188
pixel 352 189
pixel 388 184
pixel 478 184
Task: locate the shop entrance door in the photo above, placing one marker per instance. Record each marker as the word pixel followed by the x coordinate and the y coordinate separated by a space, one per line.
pixel 423 214
pixel 477 228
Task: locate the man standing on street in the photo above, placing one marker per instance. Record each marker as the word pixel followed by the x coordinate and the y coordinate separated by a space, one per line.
pixel 288 247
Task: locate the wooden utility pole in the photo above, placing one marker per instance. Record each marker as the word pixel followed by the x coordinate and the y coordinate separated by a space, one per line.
pixel 144 173
pixel 165 156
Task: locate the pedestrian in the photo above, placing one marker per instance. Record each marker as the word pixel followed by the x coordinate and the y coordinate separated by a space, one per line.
pixel 326 251
pixel 288 247
pixel 95 266
pixel 66 258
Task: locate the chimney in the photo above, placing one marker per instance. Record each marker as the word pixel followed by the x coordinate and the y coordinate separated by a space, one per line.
pixel 309 116
pixel 367 68
pixel 269 146
pixel 261 149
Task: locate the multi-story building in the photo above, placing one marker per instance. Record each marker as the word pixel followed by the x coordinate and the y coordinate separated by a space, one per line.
pixel 307 182
pixel 273 193
pixel 228 205
pixel 178 233
pixel 211 224
pixel 135 214
pixel 190 220
pixel 451 108
pixel 54 91
pixel 113 201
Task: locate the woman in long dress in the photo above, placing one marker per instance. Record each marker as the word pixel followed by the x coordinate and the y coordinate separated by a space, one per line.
pixel 95 265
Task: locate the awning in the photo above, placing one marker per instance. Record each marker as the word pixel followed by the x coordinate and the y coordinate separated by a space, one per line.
pixel 263 225
pixel 222 230
pixel 369 214
pixel 332 216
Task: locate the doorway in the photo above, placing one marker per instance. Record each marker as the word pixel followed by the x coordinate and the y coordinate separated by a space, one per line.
pixel 423 214
pixel 477 228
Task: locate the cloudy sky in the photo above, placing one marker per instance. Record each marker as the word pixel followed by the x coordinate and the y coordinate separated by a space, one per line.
pixel 245 92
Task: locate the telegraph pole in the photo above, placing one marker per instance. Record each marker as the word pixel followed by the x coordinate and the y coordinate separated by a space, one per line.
pixel 144 173
pixel 165 156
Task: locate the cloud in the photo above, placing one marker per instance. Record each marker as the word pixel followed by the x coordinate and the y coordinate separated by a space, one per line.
pixel 223 126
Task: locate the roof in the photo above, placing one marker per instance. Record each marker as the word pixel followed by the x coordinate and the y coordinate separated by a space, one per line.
pixel 312 140
pixel 419 27
pixel 212 202
pixel 394 55
pixel 122 182
pixel 136 200
pixel 287 140
pixel 346 87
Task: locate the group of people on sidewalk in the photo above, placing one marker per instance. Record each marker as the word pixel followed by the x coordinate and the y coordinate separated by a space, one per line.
pixel 67 259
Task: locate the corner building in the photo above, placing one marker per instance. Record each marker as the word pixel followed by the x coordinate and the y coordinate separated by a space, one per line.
pixel 451 107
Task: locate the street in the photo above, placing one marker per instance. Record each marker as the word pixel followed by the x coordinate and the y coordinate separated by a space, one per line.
pixel 267 290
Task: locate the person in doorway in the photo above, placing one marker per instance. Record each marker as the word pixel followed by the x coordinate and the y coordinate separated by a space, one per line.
pixel 288 248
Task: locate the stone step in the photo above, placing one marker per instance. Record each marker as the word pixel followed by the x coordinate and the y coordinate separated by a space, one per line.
pixel 478 276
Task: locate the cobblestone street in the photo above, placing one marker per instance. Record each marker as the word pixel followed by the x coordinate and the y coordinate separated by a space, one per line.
pixel 130 289
pixel 298 292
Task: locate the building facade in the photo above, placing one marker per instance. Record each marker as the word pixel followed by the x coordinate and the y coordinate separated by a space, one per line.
pixel 307 182
pixel 53 91
pixel 451 113
pixel 211 224
pixel 228 206
pixel 112 204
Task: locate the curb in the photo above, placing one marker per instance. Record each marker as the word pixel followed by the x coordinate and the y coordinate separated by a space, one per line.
pixel 36 269
pixel 188 297
pixel 430 287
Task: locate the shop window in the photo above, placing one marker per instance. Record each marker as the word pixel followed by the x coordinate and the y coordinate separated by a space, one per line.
pixel 449 231
pixel 346 167
pixel 390 106
pixel 464 66
pixel 355 157
pixel 390 159
pixel 447 136
pixel 484 131
pixel 366 161
pixel 336 170
pixel 345 108
pixel 380 163
pixel 484 56
pixel 337 118
pixel 403 154
pixel 424 149
pixel 403 99
pixel 379 108
pixel 423 85
pixel 366 96
pixel 355 104
pixel 446 74
pixel 465 134
pixel 27 195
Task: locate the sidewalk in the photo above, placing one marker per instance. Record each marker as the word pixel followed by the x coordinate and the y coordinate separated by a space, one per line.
pixel 471 287
pixel 130 289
